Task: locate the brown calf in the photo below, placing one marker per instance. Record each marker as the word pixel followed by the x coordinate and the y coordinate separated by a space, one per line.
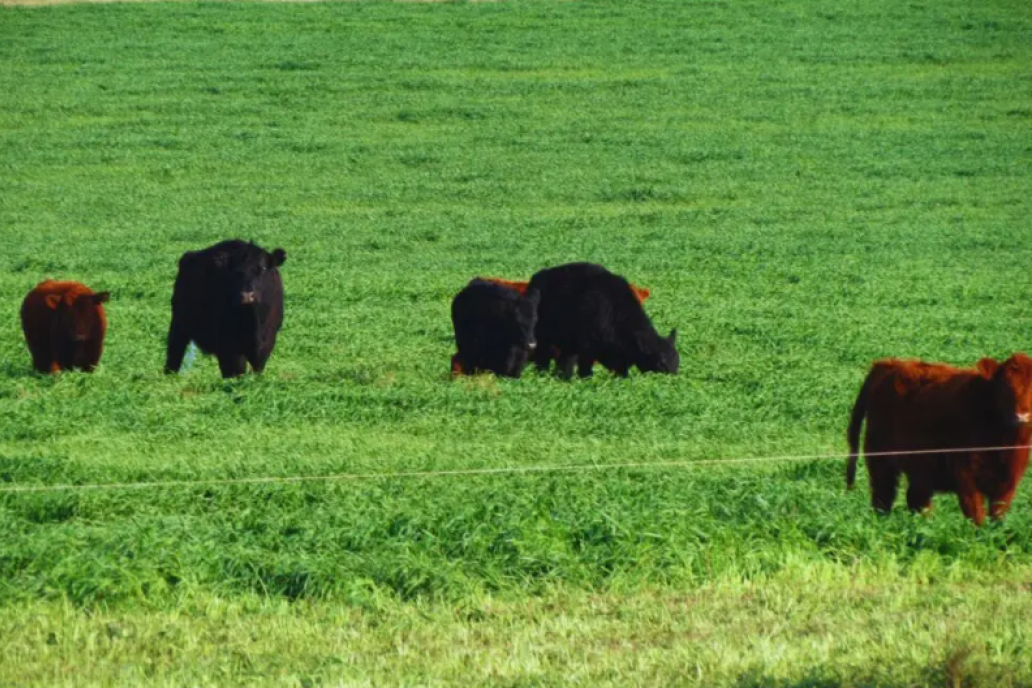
pixel 64 326
pixel 912 406
pixel 641 293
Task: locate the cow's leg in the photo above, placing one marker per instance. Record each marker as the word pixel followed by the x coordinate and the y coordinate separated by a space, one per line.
pixel 232 365
pixel 971 502
pixel 621 370
pixel 257 363
pixel 262 352
pixel 457 366
pixel 257 358
pixel 919 497
pixel 515 362
pixel 884 482
pixel 64 356
pixel 566 363
pixel 41 362
pixel 585 363
pixel 543 356
pixel 1000 502
pixel 178 340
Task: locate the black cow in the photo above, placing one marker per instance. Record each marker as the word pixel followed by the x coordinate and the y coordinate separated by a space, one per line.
pixel 588 314
pixel 228 299
pixel 494 329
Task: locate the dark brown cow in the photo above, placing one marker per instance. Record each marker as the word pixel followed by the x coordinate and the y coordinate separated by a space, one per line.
pixel 912 406
pixel 641 293
pixel 64 325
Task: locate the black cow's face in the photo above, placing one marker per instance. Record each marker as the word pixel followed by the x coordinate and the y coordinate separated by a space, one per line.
pixel 248 272
pixel 1012 388
pixel 665 358
pixel 521 324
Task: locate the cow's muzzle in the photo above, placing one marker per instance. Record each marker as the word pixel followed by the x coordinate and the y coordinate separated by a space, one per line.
pixel 248 297
pixel 531 345
pixel 1023 418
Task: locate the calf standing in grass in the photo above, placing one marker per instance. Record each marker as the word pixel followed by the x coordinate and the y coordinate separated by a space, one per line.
pixel 912 406
pixel 64 325
pixel 228 299
pixel 494 329
pixel 588 314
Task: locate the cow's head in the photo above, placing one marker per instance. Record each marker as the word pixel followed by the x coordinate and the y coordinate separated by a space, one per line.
pixel 520 323
pixel 1012 387
pixel 249 270
pixel 660 355
pixel 80 317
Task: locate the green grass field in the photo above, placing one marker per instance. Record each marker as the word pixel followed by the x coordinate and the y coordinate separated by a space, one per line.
pixel 804 186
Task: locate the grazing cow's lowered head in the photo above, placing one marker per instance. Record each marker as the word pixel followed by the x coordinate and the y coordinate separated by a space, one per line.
pixel 247 269
pixel 659 355
pixel 1011 384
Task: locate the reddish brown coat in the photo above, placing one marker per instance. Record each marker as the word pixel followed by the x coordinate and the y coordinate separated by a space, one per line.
pixel 911 406
pixel 64 325
pixel 641 293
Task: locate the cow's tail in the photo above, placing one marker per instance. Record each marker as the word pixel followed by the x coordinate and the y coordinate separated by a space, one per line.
pixel 856 422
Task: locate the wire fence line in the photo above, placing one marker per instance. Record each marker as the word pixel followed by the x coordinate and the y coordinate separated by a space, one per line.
pixel 504 470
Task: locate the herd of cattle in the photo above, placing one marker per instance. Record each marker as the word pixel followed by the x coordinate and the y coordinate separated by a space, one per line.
pixel 959 430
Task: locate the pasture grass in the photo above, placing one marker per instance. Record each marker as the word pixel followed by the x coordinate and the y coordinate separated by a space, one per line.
pixel 804 187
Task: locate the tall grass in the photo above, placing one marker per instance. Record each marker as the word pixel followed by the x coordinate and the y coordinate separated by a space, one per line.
pixel 803 187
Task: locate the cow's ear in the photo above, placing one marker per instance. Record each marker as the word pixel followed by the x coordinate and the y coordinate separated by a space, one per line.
pixel 101 297
pixel 279 256
pixel 53 301
pixel 644 293
pixel 673 337
pixel 987 366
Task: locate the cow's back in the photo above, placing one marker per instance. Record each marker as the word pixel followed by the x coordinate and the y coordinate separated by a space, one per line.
pixel 478 309
pixel 584 305
pixel 916 406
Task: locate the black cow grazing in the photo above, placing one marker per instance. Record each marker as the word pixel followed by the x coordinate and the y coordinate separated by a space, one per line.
pixel 228 299
pixel 494 329
pixel 588 314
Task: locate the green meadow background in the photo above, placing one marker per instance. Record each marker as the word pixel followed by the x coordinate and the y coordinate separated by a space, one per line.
pixel 804 186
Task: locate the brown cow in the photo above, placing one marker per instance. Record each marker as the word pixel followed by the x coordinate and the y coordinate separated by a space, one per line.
pixel 641 293
pixel 912 406
pixel 64 326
